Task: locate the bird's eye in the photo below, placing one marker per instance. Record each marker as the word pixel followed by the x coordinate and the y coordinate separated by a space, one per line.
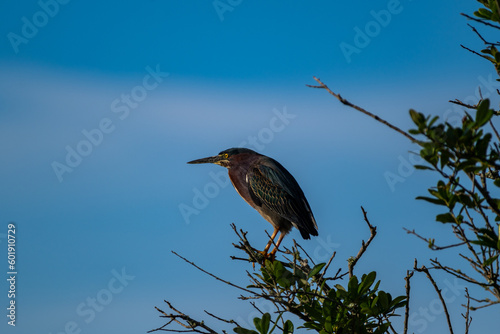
pixel 225 155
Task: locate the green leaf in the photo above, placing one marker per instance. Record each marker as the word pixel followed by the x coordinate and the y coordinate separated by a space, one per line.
pixel 257 323
pixel 262 325
pixel 328 324
pixel 339 287
pixel 382 328
pixel 278 268
pixel 383 300
pixel 490 260
pixel 484 113
pixel 466 200
pixel 353 284
pixel 266 320
pixel 445 218
pixel 433 120
pixel 423 167
pixel 418 118
pixel 398 300
pixel 286 279
pixel 452 135
pixel 483 13
pixel 317 268
pixel 431 242
pixel 432 200
pixel 288 327
pixel 241 330
pixel 484 241
pixel 366 282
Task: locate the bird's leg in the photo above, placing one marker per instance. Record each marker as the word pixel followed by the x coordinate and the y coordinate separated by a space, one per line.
pixel 264 252
pixel 273 252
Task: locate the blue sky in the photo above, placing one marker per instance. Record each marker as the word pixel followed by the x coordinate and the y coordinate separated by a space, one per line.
pixel 155 84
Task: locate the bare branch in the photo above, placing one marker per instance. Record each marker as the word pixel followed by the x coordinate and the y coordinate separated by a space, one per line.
pixel 221 319
pixel 494 129
pixel 349 104
pixel 299 246
pixel 432 246
pixel 364 246
pixel 428 274
pixel 320 280
pixel 489 303
pixel 191 325
pixel 467 318
pixel 212 275
pixel 474 52
pixel 463 104
pixel 409 275
pixel 480 36
pixel 244 245
pixel 480 21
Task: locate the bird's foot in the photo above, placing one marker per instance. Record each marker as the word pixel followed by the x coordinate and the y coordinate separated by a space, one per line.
pixel 267 256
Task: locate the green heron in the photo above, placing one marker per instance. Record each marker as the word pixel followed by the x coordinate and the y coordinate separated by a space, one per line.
pixel 270 189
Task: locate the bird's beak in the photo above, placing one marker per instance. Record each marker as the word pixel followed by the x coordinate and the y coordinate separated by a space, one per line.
pixel 209 160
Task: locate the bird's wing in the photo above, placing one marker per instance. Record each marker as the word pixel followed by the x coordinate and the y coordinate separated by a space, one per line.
pixel 278 190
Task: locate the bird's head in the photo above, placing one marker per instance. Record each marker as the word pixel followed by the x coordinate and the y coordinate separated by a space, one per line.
pixel 227 158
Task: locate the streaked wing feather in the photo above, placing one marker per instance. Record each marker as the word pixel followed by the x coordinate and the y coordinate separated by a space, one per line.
pixel 276 188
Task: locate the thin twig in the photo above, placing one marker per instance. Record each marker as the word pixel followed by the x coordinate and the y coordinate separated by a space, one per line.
pixel 428 274
pixel 490 303
pixel 190 323
pixel 463 104
pixel 364 246
pixel 221 319
pixel 474 52
pixel 467 317
pixel 433 247
pixel 481 37
pixel 320 280
pixel 494 129
pixel 299 246
pixel 364 111
pixel 480 21
pixel 245 246
pixel 212 275
pixel 409 274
